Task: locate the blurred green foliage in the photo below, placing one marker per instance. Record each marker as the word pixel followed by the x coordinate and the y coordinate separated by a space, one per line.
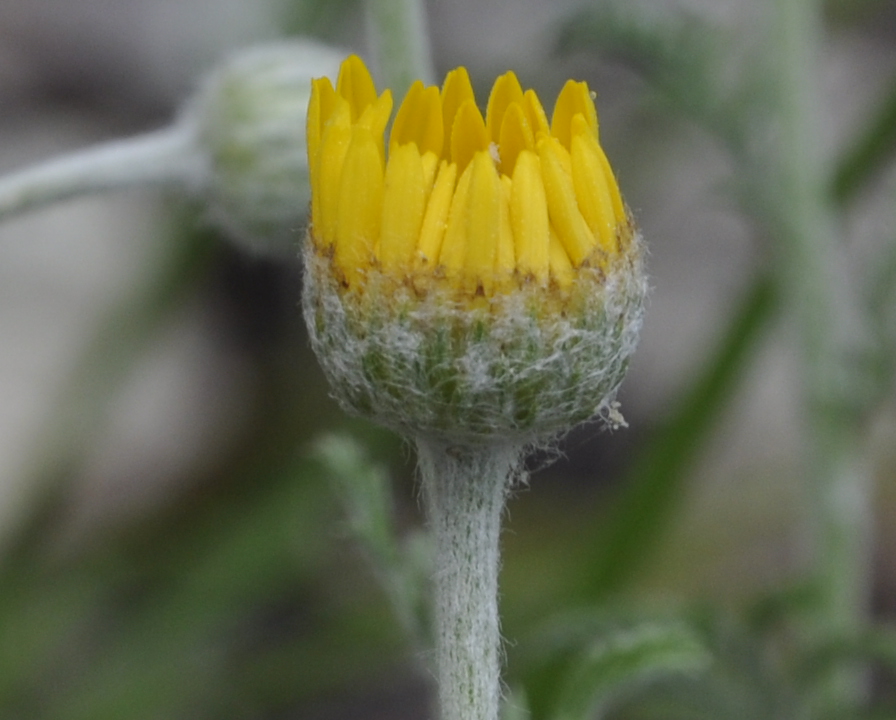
pixel 294 570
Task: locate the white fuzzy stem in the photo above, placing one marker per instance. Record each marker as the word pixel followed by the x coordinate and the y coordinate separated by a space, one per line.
pixel 464 491
pixel 158 158
pixel 400 41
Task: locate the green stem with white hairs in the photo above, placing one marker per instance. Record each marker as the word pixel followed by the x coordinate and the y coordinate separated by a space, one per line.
pixel 464 491
pixel 400 42
pixel 163 157
pixel 835 342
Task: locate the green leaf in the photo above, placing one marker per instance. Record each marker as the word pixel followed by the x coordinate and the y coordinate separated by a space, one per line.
pixel 624 661
pixel 881 305
pixel 875 644
pixel 401 565
pixel 364 489
pixel 869 153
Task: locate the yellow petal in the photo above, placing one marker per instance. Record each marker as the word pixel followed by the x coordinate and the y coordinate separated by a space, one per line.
pixel 360 206
pixel 477 203
pixel 403 198
pixel 436 217
pixel 592 190
pixel 320 108
pixel 483 223
pixel 506 262
pixel 468 135
pixel 454 244
pixel 355 85
pixel 561 268
pixel 615 196
pixel 563 209
pixel 335 140
pixel 529 217
pixel 419 120
pixel 505 92
pixel 456 90
pixel 375 118
pixel 516 136
pixel 574 99
pixel 430 165
pixel 535 114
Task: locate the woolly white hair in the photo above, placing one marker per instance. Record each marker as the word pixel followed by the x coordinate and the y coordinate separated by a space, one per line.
pixel 520 366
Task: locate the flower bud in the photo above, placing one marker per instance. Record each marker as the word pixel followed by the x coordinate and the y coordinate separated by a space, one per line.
pixel 472 278
pixel 250 127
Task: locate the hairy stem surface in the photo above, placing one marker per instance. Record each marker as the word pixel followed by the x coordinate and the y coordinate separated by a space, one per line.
pixel 464 491
pixel 157 158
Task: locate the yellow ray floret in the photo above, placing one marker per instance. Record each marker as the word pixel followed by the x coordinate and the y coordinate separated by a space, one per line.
pixel 419 120
pixel 403 199
pixel 529 217
pixel 506 93
pixel 458 198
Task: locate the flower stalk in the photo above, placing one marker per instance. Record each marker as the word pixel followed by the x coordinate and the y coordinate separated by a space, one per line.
pixel 476 283
pixel 163 157
pixel 464 490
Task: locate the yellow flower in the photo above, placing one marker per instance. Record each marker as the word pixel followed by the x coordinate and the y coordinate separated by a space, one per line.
pixel 472 278
pixel 479 204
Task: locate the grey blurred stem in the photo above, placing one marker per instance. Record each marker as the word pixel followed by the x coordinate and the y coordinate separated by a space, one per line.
pixel 164 157
pixel 400 42
pixel 464 491
pixel 834 341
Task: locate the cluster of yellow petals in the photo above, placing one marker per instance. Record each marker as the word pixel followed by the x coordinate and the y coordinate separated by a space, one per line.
pixel 457 196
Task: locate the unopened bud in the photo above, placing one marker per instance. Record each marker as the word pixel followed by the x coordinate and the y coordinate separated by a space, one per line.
pixel 250 128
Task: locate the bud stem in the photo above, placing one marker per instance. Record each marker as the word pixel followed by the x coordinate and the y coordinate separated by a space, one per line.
pixel 162 157
pixel 464 490
pixel 400 42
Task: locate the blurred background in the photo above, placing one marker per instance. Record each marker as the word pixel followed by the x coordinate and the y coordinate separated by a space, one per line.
pixel 174 542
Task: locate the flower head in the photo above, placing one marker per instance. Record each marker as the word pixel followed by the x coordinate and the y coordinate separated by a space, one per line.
pixel 467 275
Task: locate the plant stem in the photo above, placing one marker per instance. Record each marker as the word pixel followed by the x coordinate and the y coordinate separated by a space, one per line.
pixel 834 339
pixel 464 490
pixel 162 157
pixel 400 42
